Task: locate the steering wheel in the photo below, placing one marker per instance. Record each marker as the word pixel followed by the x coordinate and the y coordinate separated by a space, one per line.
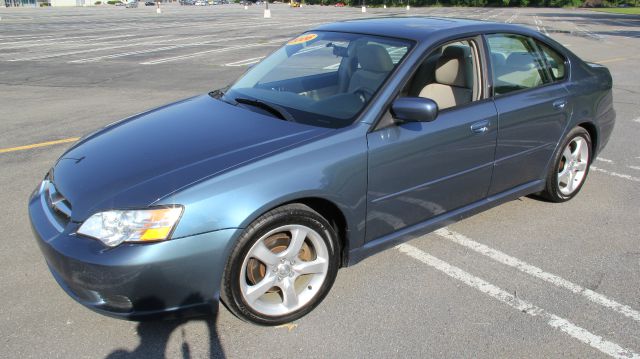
pixel 363 93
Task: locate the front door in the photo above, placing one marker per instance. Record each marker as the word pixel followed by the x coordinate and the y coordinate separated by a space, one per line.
pixel 420 170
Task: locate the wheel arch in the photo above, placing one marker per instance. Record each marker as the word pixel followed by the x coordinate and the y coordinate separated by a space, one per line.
pixel 328 209
pixel 593 133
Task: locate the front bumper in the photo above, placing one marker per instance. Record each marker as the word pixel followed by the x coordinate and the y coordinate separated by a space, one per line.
pixel 176 278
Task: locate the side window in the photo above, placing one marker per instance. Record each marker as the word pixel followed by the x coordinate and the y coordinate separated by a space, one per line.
pixel 555 62
pixel 449 76
pixel 515 63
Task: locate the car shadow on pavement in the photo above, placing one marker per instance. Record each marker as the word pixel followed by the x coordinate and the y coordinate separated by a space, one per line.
pixel 154 337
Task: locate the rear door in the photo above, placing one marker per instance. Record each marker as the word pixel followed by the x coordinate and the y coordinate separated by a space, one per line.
pixel 533 109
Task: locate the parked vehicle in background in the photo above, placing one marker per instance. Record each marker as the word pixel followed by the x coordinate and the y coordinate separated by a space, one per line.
pixel 201 3
pixel 149 3
pixel 119 3
pixel 132 4
pixel 339 4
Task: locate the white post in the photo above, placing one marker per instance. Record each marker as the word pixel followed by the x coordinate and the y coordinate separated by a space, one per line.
pixel 267 11
pixel 364 8
pixel 408 7
pixel 246 7
pixel 384 6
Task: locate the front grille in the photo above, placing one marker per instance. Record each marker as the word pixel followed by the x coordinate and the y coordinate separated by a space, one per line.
pixel 56 204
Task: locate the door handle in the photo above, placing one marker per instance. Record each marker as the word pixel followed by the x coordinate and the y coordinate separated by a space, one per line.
pixel 480 127
pixel 560 104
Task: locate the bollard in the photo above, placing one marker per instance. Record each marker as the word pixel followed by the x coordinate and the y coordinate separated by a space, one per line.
pixel 364 9
pixel 267 13
pixel 246 7
pixel 384 6
pixel 408 7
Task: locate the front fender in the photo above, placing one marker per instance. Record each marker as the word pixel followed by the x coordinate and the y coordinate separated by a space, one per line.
pixel 333 168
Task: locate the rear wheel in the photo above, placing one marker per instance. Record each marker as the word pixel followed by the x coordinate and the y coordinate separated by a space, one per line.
pixel 282 266
pixel 571 166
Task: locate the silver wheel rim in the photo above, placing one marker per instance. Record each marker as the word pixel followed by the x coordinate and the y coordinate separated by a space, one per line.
pixel 573 165
pixel 289 279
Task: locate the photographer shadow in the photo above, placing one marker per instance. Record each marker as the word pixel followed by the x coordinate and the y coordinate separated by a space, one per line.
pixel 154 336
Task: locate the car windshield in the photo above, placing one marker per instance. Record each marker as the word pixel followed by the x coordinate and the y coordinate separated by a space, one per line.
pixel 319 78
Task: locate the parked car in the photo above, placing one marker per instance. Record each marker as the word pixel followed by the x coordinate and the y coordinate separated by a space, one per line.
pixel 132 4
pixel 150 3
pixel 339 4
pixel 258 193
pixel 201 3
pixel 119 3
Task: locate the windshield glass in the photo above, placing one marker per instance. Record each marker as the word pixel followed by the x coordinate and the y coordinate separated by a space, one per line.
pixel 320 78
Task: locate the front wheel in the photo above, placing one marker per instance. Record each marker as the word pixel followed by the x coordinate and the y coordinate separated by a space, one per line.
pixel 570 168
pixel 283 265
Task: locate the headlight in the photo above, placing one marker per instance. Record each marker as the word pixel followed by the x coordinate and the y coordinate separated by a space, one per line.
pixel 145 225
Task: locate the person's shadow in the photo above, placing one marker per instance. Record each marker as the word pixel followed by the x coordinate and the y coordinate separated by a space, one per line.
pixel 154 336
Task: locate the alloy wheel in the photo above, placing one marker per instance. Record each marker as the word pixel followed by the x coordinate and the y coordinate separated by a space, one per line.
pixel 573 165
pixel 284 270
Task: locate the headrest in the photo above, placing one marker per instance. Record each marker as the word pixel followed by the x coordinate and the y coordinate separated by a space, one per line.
pixel 374 58
pixel 498 59
pixel 451 68
pixel 520 61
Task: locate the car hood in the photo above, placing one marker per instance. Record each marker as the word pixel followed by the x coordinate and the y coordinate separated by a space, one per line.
pixel 135 162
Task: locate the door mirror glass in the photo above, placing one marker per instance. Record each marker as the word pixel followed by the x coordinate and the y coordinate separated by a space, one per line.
pixel 414 109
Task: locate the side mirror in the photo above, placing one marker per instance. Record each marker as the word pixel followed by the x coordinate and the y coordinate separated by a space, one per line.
pixel 414 109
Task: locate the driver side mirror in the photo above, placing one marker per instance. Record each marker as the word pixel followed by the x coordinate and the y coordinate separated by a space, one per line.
pixel 414 109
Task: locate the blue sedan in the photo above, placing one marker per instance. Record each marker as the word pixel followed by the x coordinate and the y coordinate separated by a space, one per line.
pixel 348 140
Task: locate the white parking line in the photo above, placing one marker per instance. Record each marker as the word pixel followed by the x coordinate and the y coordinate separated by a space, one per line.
pixel 604 160
pixel 636 120
pixel 245 62
pixel 158 49
pixel 595 341
pixel 75 52
pixel 615 174
pixel 634 167
pixel 200 53
pixel 534 271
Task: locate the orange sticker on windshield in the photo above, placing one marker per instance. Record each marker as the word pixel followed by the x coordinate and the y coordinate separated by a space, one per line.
pixel 302 39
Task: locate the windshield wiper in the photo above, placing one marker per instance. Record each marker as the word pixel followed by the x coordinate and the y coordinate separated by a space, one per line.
pixel 273 109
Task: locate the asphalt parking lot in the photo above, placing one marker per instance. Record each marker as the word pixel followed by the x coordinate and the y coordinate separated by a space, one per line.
pixel 526 279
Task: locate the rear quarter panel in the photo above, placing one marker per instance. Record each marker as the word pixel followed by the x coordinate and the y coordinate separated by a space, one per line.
pixel 590 89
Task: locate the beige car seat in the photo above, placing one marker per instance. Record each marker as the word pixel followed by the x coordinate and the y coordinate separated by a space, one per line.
pixel 452 86
pixel 375 65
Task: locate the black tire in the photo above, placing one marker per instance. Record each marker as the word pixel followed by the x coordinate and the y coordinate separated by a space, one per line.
pixel 291 214
pixel 552 191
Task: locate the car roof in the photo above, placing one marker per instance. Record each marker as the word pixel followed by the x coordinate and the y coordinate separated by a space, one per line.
pixel 418 28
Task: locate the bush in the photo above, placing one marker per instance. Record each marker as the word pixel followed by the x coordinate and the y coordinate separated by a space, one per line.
pixel 97 3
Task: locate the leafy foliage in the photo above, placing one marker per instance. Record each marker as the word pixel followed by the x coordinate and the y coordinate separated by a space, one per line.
pixel 480 3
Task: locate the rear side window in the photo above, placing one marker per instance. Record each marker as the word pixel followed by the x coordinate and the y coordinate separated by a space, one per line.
pixel 555 62
pixel 516 64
